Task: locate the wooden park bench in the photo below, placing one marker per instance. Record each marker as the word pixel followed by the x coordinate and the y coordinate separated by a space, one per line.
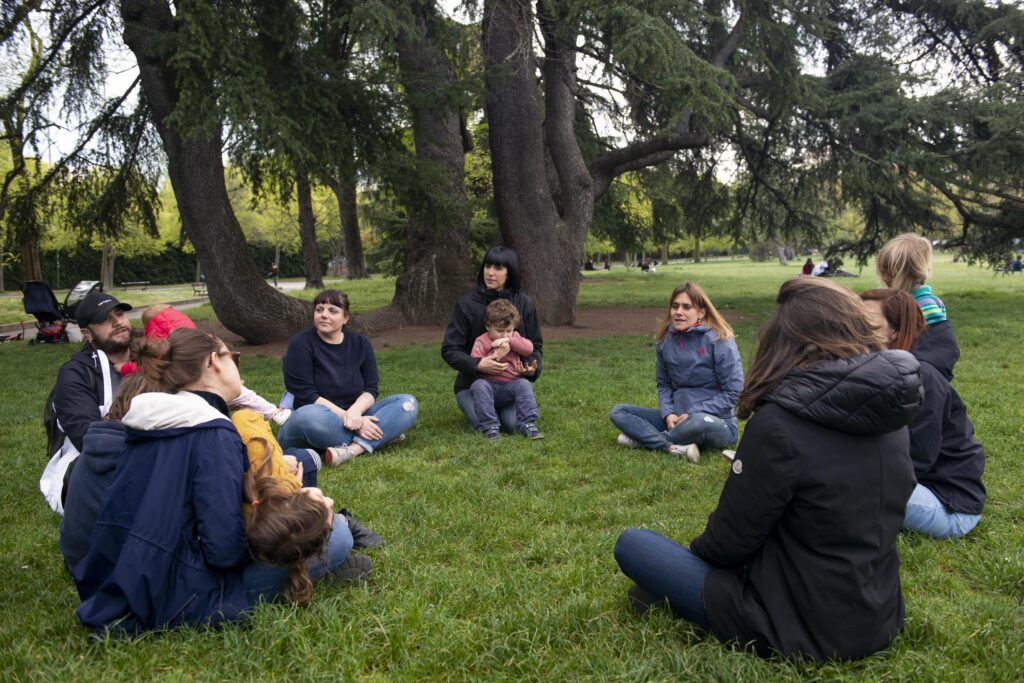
pixel 199 288
pixel 136 283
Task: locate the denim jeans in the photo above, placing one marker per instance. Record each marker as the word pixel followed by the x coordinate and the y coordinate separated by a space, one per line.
pixel 665 569
pixel 310 461
pixel 506 414
pixel 315 426
pixel 489 396
pixel 266 582
pixel 647 427
pixel 927 515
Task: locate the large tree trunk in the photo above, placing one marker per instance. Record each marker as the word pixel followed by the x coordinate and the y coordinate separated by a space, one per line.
pixel 31 268
pixel 344 188
pixel 437 266
pixel 241 298
pixel 107 257
pixel 548 237
pixel 307 230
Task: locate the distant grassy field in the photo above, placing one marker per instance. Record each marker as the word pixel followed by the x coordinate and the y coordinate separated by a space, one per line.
pixel 499 565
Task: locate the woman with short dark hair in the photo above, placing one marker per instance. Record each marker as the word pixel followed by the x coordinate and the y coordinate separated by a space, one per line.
pixel 498 278
pixel 799 558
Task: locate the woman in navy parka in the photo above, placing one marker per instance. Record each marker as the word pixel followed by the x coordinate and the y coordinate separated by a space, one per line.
pixel 169 546
pixel 699 377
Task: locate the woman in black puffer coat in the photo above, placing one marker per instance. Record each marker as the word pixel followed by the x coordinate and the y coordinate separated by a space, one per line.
pixel 799 558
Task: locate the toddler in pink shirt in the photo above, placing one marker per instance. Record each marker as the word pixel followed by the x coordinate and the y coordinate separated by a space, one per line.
pixel 501 344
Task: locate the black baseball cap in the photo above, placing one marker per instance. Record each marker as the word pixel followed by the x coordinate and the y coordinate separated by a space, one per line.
pixel 95 308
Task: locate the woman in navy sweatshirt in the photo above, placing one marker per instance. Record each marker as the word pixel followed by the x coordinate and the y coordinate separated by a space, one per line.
pixel 332 374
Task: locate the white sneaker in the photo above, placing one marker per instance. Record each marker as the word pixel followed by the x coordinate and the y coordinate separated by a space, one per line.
pixel 624 440
pixel 338 455
pixel 729 455
pixel 689 451
pixel 281 416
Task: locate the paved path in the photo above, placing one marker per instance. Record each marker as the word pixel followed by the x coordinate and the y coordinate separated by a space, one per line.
pixel 135 313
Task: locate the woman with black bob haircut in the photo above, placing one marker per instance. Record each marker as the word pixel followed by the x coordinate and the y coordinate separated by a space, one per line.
pixel 498 278
pixel 799 558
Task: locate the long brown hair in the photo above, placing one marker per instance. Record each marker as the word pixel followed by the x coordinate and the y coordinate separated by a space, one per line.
pixel 180 360
pixel 699 299
pixel 902 313
pixel 131 386
pixel 285 527
pixel 816 320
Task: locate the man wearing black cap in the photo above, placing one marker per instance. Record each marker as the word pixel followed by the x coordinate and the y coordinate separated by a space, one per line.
pixel 86 383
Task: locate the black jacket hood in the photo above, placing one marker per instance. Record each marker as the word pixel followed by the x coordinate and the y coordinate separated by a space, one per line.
pixel 938 347
pixel 872 394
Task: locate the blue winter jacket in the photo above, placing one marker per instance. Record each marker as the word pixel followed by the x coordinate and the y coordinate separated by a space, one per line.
pixel 169 544
pixel 696 373
pixel 89 479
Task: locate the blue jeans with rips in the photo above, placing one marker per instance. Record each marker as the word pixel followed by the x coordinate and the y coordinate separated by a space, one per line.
pixel 506 414
pixel 646 427
pixel 489 396
pixel 927 515
pixel 666 570
pixel 315 426
pixel 266 582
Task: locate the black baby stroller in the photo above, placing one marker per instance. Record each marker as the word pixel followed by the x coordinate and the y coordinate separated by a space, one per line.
pixel 51 316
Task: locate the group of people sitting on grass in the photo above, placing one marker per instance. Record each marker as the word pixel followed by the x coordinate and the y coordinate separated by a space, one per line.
pixel 181 510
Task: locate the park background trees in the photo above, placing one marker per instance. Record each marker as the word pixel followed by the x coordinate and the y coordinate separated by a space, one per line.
pixel 539 124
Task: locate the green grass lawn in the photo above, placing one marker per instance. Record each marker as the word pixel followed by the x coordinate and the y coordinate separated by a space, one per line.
pixel 499 559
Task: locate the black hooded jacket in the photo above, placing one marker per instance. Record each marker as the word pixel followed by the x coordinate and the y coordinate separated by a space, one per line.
pixel 467 324
pixel 948 460
pixel 803 540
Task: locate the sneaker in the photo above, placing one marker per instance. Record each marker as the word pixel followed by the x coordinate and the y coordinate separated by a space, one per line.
pixel 689 451
pixel 624 440
pixel 729 455
pixel 355 569
pixel 281 416
pixel 338 455
pixel 492 434
pixel 362 536
pixel 641 601
pixel 530 431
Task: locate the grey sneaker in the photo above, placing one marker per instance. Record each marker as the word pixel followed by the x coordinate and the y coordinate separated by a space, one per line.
pixel 689 451
pixel 729 454
pixel 530 431
pixel 626 441
pixel 492 434
pixel 338 455
pixel 355 569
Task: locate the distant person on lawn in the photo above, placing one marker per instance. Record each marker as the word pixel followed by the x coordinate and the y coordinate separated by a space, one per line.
pixel 498 278
pixel 799 557
pixel 699 377
pixel 332 374
pixel 948 460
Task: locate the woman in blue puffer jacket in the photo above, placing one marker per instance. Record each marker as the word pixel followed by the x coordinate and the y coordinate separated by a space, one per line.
pixel 699 377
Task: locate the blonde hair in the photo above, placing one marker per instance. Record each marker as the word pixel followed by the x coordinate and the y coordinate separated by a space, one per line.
pixel 699 299
pixel 905 262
